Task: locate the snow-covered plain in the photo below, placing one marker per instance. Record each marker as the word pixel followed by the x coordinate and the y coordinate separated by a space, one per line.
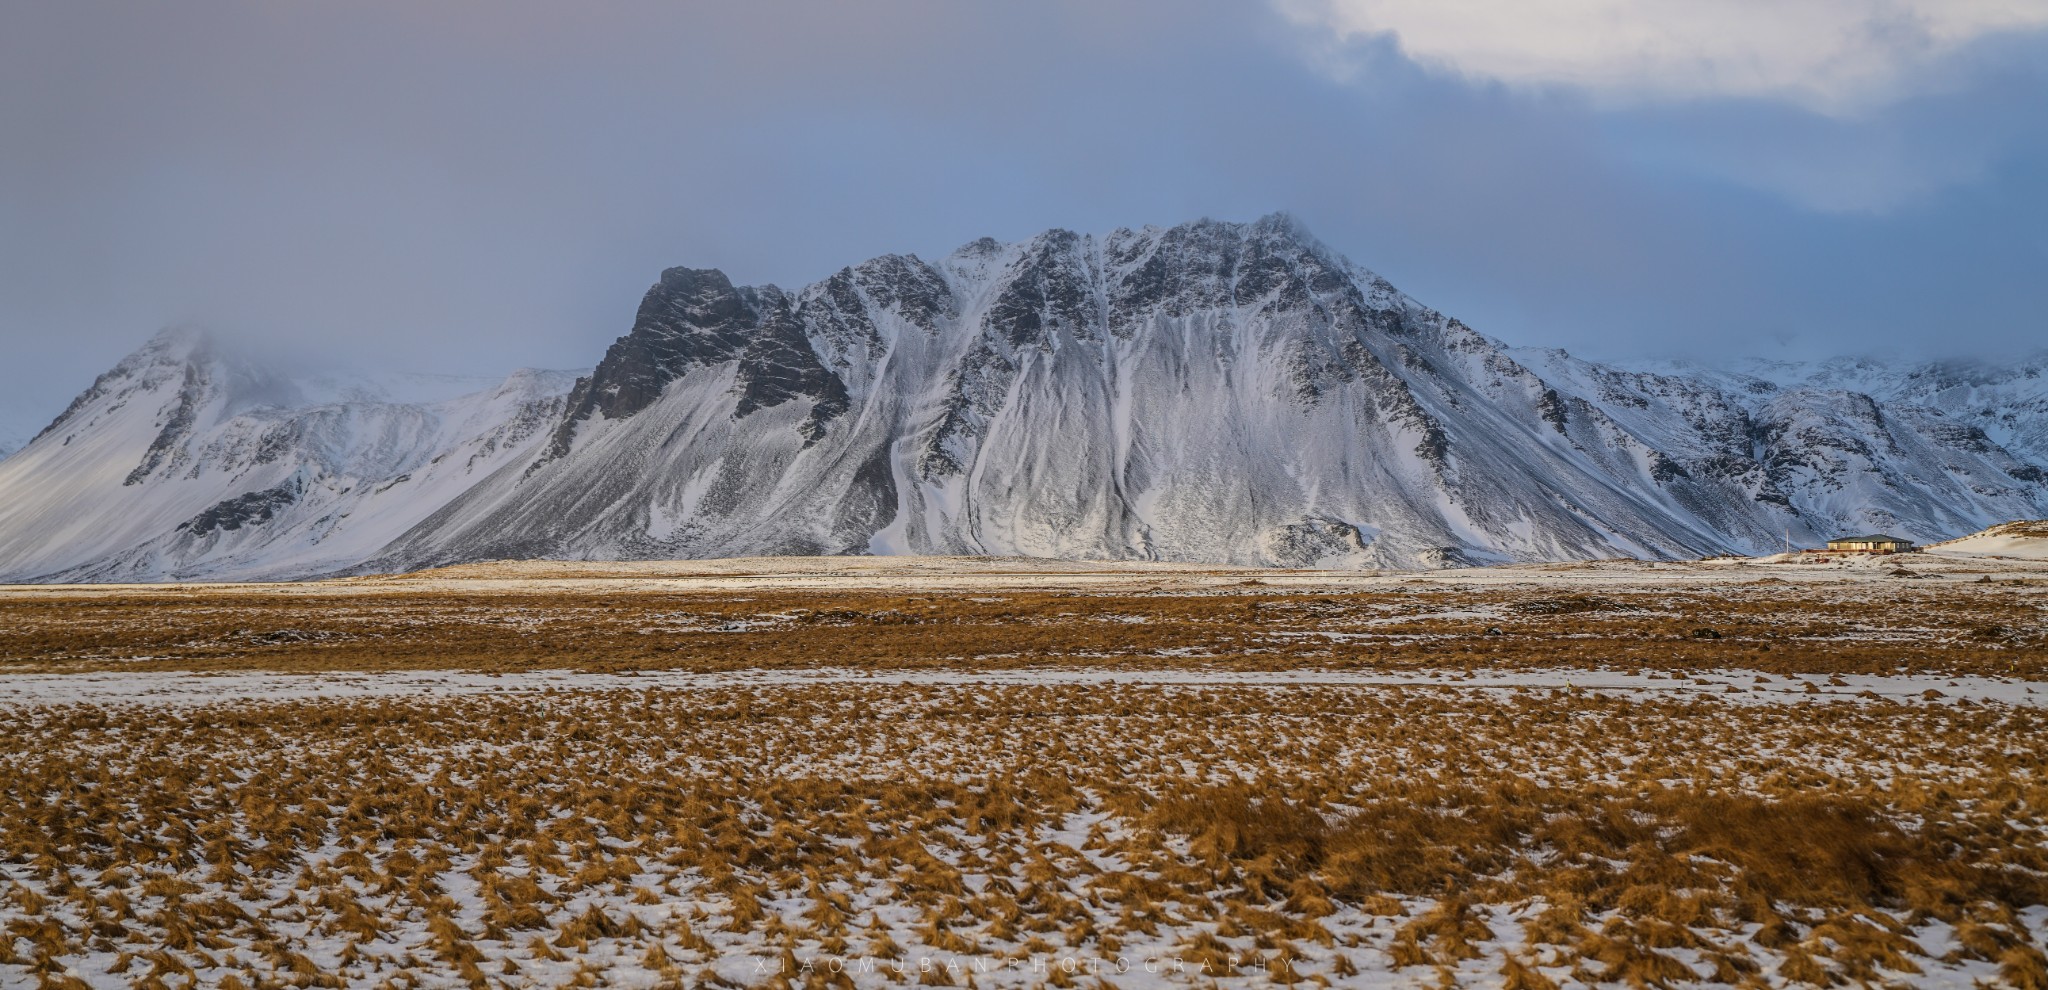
pixel 1138 818
pixel 1012 832
pixel 187 689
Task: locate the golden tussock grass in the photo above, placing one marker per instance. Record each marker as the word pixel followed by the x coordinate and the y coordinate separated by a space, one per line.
pixel 1954 629
pixel 662 830
pixel 1284 834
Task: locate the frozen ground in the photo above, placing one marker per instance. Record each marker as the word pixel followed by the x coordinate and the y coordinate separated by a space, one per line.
pixel 185 689
pixel 881 772
pixel 1996 557
pixel 931 830
pixel 2019 541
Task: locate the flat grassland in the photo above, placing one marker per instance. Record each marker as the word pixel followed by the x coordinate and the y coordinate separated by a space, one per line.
pixel 988 774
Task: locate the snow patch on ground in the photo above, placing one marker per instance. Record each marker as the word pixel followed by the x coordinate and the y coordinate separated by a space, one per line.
pixel 2012 547
pixel 182 689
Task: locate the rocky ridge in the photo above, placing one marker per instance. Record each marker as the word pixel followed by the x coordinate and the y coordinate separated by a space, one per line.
pixel 1233 393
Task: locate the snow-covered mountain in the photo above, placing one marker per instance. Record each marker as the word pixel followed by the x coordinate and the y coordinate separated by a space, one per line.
pixel 1824 457
pixel 1211 392
pixel 2007 400
pixel 186 462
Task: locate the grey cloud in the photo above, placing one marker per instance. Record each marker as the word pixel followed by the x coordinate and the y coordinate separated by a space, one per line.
pixel 466 186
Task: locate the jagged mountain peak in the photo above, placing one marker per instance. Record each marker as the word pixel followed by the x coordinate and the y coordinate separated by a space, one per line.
pixel 1209 391
pixel 177 344
pixel 1279 231
pixel 186 371
pixel 1037 291
pixel 1278 226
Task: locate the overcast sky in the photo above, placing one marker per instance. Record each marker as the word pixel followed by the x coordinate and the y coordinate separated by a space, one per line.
pixel 467 186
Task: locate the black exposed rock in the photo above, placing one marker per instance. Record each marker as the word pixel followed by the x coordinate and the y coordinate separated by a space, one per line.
pixel 691 317
pixel 909 286
pixel 1551 406
pixel 1664 470
pixel 176 426
pixel 1189 268
pixel 694 318
pixel 779 365
pixel 1046 292
pixel 252 509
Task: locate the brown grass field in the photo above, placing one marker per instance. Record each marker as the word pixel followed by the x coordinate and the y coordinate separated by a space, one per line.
pixel 1182 815
pixel 1988 629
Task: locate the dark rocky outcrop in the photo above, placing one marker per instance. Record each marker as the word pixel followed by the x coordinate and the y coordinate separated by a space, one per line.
pixel 694 318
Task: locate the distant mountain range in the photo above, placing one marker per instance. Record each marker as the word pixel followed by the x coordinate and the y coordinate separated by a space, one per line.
pixel 1210 392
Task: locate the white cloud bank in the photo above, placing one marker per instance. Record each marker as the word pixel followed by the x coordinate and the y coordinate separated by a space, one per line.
pixel 1834 56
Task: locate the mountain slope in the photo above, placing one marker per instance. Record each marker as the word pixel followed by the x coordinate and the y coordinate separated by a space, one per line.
pixel 1826 459
pixel 2008 401
pixel 1214 391
pixel 185 462
pixel 1219 392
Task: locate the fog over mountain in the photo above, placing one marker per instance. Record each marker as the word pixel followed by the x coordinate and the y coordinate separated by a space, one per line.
pixel 1229 392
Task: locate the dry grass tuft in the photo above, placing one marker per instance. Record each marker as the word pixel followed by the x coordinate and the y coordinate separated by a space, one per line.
pixel 975 833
